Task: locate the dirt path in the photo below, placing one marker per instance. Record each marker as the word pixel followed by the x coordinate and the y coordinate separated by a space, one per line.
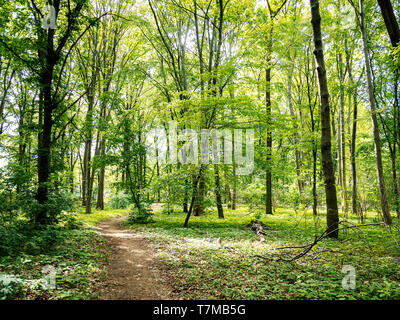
pixel 134 270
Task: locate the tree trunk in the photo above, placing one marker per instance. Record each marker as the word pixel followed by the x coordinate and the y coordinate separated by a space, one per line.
pixel 199 200
pixel 295 136
pixel 234 191
pixel 326 153
pixel 87 156
pixel 394 174
pixel 353 97
pixel 314 155
pixel 310 84
pixel 268 175
pixel 218 192
pixel 100 190
pixel 44 143
pixel 342 137
pixel 100 184
pixel 339 153
pixel 378 155
pixel 228 196
pixel 195 184
pixel 390 21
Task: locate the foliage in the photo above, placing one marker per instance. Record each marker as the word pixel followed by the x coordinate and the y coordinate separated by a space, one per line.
pixel 120 201
pixel 141 215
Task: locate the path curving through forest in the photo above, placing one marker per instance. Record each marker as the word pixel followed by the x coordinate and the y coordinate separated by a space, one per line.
pixel 135 272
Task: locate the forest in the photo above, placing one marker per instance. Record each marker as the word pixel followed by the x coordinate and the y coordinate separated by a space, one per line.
pixel 199 149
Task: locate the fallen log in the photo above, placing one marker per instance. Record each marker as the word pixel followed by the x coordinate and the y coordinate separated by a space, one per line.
pixel 258 227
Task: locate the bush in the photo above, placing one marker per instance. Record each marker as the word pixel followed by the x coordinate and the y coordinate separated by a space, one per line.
pixel 11 241
pixel 49 237
pixel 70 222
pixel 14 241
pixel 57 203
pixel 120 201
pixel 144 215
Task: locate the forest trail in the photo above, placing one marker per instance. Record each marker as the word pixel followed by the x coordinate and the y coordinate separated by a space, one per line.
pixel 134 270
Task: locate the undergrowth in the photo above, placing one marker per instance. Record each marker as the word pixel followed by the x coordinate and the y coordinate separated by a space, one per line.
pixel 72 248
pixel 223 259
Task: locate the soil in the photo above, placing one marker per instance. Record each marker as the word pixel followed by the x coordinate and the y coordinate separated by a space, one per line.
pixel 134 271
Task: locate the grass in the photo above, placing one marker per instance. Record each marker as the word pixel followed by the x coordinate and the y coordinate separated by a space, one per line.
pixel 204 271
pixel 98 215
pixel 75 250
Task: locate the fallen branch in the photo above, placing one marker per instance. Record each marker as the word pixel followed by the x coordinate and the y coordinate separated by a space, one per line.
pixel 324 235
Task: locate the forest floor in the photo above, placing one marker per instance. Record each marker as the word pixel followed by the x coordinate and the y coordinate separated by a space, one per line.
pixel 224 259
pixel 104 255
pixel 134 271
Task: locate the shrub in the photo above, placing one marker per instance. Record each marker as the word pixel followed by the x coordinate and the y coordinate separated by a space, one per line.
pixel 49 237
pixel 70 222
pixel 144 215
pixel 120 201
pixel 57 203
pixel 10 241
pixel 14 241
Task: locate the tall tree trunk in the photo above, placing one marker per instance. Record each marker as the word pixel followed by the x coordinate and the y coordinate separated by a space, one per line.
pixel 90 179
pixel 392 144
pixel 377 141
pixel 195 184
pixel 295 136
pixel 6 85
pixel 44 142
pixel 332 216
pixel 397 135
pixel 228 196
pixel 100 184
pixel 87 155
pixel 342 137
pixel 199 200
pixel 218 192
pixel 310 72
pixel 339 153
pixel 22 135
pixel 268 175
pixel 234 191
pixel 72 167
pixel 158 176
pixel 353 138
pixel 393 157
pixel 314 156
pixel 100 190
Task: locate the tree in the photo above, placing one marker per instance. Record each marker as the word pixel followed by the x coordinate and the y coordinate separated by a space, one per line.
pixel 273 13
pixel 327 163
pixel 50 56
pixel 371 100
